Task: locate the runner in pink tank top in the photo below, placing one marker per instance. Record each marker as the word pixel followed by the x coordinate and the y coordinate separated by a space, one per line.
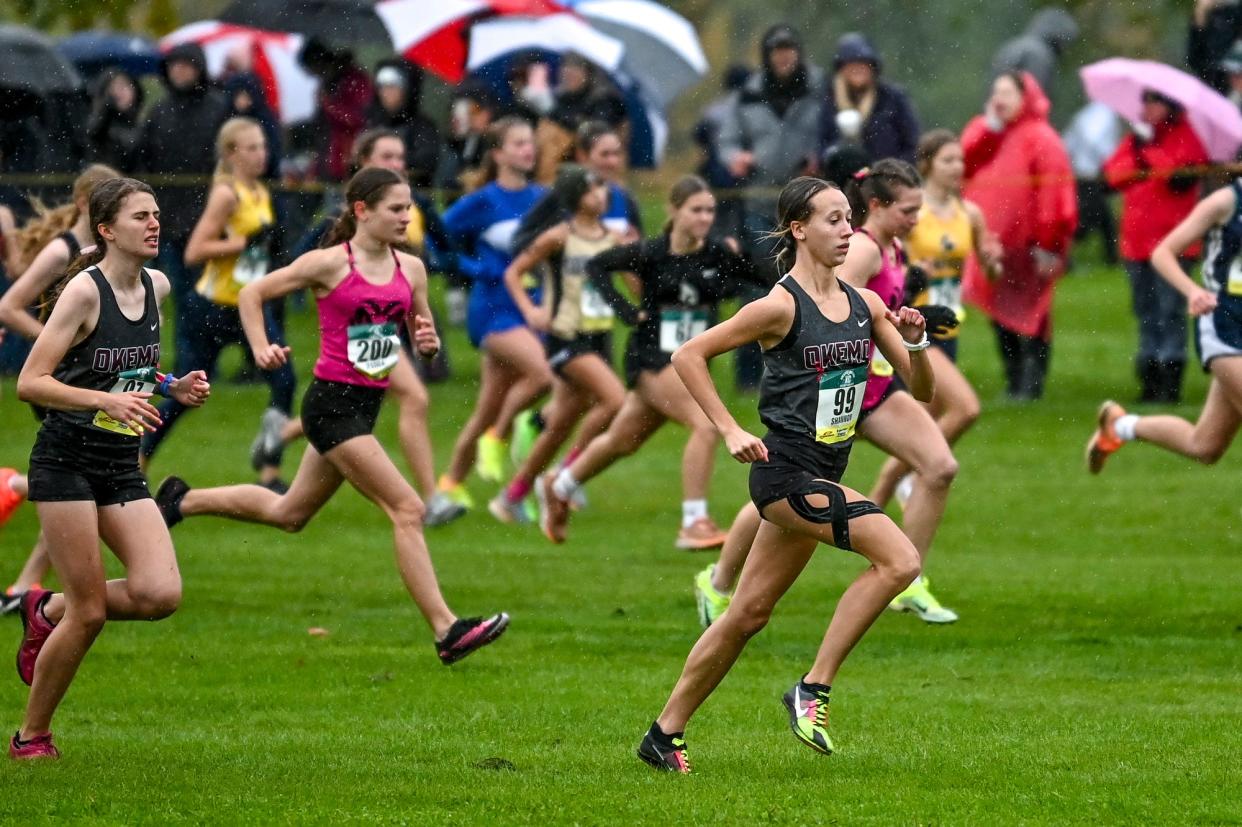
pixel 889 283
pixel 365 289
pixel 359 326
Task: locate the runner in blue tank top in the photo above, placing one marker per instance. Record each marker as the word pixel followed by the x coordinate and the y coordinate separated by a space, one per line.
pixel 817 336
pixel 1217 308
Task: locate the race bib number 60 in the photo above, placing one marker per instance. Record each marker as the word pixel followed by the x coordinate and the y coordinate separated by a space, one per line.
pixel 678 326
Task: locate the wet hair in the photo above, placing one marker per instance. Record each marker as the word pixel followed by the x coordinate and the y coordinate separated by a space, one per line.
pixel 104 204
pixel 929 147
pixel 686 187
pixel 1015 76
pixel 794 204
pixel 369 185
pixel 493 139
pixel 226 141
pixel 50 223
pixel 589 133
pixel 365 143
pixel 879 182
pixel 572 183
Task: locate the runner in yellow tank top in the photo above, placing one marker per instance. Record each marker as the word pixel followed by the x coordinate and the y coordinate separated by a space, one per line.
pixel 252 217
pixel 950 229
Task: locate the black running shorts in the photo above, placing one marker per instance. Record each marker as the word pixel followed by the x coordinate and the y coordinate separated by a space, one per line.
pixel 793 463
pixel 563 351
pixel 55 482
pixel 334 412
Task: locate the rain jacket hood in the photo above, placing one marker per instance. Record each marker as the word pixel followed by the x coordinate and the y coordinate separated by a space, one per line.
pixel 191 53
pixel 1055 27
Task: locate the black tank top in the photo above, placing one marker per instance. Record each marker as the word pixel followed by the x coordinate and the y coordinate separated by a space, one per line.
pixel 71 241
pixel 814 380
pixel 111 358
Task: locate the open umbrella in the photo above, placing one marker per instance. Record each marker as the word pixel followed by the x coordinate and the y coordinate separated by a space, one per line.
pixel 662 49
pixel 30 63
pixel 289 89
pixel 92 52
pixel 558 33
pixel 435 33
pixel 335 22
pixel 1119 83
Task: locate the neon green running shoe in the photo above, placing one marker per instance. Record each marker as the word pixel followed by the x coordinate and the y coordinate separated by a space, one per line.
pixel 525 431
pixel 917 598
pixel 711 602
pixel 492 457
pixel 808 715
pixel 455 493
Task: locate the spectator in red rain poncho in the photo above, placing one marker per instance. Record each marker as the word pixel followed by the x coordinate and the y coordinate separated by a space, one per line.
pixel 1018 173
pixel 1154 200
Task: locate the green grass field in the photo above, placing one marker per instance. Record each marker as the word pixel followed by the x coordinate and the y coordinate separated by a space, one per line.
pixel 1094 677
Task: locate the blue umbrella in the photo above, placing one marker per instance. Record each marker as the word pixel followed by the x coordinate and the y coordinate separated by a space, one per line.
pixel 648 126
pixel 92 52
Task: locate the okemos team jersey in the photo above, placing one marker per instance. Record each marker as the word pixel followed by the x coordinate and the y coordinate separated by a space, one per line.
pixel 1222 261
pixel 119 355
pixel 814 380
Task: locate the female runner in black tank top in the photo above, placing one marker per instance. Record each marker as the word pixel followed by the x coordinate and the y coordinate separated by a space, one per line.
pixel 94 368
pixel 811 423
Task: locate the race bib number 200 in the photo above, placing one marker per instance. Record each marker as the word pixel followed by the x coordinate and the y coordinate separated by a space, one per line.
pixel 374 348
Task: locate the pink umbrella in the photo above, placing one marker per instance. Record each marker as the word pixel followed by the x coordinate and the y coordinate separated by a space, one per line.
pixel 1119 83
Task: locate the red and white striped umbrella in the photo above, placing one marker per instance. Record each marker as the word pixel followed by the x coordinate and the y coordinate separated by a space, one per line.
pixel 435 33
pixel 289 89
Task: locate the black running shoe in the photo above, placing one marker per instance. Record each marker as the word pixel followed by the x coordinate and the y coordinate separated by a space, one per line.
pixel 665 752
pixel 10 602
pixel 469 634
pixel 172 490
pixel 276 486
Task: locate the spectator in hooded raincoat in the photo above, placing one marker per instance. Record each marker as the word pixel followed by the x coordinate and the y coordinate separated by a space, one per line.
pixel 1214 27
pixel 345 92
pixel 1019 175
pixel 1154 200
pixel 397 107
pixel 113 129
pixel 885 124
pixel 1039 48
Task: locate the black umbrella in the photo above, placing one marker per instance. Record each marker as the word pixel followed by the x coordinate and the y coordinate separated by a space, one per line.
pixel 335 22
pixel 29 63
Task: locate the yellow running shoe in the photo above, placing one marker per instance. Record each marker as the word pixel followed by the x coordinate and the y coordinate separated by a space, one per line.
pixel 918 598
pixel 712 603
pixel 493 454
pixel 456 492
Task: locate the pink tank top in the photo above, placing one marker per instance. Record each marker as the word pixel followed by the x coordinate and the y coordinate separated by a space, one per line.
pixel 360 327
pixel 889 283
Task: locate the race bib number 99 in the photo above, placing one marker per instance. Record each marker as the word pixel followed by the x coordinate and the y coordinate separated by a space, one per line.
pixel 841 395
pixel 373 348
pixel 678 326
pixel 138 380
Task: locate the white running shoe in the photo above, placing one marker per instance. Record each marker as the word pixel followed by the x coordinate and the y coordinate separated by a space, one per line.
pixel 442 510
pixel 267 444
pixel 905 487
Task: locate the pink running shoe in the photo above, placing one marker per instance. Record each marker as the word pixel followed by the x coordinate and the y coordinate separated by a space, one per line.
pixel 469 634
pixel 38 747
pixel 35 631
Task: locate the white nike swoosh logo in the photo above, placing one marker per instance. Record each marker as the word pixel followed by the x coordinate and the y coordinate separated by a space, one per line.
pixel 862 322
pixel 157 324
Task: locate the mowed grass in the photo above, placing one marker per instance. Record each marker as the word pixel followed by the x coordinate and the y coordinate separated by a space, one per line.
pixel 1095 675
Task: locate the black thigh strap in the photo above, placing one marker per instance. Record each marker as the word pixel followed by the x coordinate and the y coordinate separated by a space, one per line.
pixel 836 513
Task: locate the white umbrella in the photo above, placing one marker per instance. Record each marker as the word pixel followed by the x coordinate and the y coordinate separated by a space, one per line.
pixel 662 49
pixel 556 33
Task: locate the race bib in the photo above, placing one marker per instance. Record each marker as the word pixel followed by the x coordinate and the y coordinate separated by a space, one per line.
pixel 879 365
pixel 841 395
pixel 948 293
pixel 251 265
pixel 596 313
pixel 137 380
pixel 374 348
pixel 678 326
pixel 1234 287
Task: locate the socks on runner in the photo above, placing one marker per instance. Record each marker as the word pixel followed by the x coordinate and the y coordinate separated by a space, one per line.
pixel 518 489
pixel 692 510
pixel 565 486
pixel 1124 427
